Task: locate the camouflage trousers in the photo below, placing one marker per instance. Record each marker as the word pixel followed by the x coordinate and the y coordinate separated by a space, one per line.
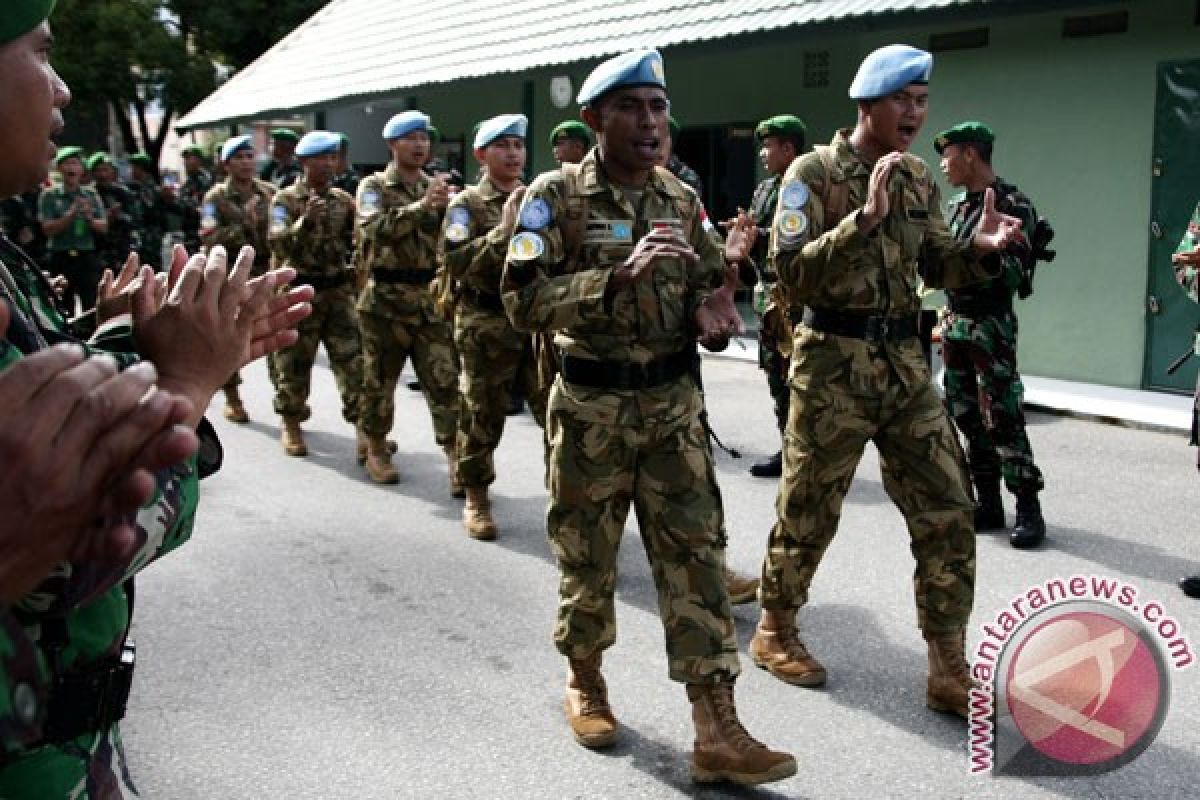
pixel 91 767
pixel 334 324
pixel 606 450
pixel 493 356
pixel 775 364
pixel 984 393
pixel 923 473
pixel 235 380
pixel 388 340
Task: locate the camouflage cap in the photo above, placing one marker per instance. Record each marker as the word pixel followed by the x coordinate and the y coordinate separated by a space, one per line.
pixel 970 131
pixel 571 129
pixel 783 125
pixel 22 16
pixel 70 151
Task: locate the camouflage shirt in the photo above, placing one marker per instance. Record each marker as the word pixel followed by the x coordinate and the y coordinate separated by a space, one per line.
pixel 224 221
pixel 394 229
pixel 762 211
pixel 964 212
pixel 281 176
pixel 191 201
pixel 1189 276
pixel 547 289
pixel 471 246
pixel 312 248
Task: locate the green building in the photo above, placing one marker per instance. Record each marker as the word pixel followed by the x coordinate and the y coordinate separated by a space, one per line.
pixel 1096 107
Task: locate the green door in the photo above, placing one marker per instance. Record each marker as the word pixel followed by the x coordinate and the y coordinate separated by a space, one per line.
pixel 1171 316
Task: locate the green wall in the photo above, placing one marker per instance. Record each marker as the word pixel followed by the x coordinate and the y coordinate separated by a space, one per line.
pixel 1074 120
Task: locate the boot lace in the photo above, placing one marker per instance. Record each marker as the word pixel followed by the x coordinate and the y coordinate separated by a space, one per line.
pixel 593 693
pixel 792 645
pixel 727 719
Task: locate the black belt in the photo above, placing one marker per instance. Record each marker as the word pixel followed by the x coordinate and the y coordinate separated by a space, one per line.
pixel 979 307
pixel 414 277
pixel 626 374
pixel 861 326
pixel 90 700
pixel 485 300
pixel 322 282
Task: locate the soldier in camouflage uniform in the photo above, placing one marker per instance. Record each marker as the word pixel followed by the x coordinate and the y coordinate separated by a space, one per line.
pixel 73 219
pixel 282 169
pixel 853 220
pixel 400 214
pixel 979 343
pixel 233 214
pixel 121 238
pixel 345 176
pixel 614 257
pixel 1186 261
pixel 782 140
pixel 570 141
pixel 307 230
pixel 152 209
pixel 674 163
pixel 196 183
pixel 479 221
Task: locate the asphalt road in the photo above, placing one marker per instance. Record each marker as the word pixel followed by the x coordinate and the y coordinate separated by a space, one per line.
pixel 325 638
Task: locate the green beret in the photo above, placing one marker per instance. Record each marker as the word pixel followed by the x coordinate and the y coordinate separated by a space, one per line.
pixel 193 150
pixel 673 125
pixel 963 132
pixel 96 159
pixel 64 153
pixel 285 133
pixel 571 129
pixel 141 159
pixel 22 16
pixel 783 125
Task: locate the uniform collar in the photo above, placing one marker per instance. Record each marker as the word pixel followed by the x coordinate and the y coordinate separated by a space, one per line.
pixel 488 191
pixel 594 180
pixel 392 177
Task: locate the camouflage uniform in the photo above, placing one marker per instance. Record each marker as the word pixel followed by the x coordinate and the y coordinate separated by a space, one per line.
pixel 686 174
pixel 281 176
pixel 151 220
pixel 848 390
pixel 223 221
pixel 774 330
pixel 191 201
pixel 18 219
pixel 398 247
pixel 79 615
pixel 489 347
pixel 123 214
pixel 983 387
pixel 611 446
pixel 73 252
pixel 318 253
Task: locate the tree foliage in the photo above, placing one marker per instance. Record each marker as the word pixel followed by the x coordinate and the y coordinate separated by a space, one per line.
pixel 123 57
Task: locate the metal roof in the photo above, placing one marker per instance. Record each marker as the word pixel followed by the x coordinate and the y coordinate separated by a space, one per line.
pixel 363 48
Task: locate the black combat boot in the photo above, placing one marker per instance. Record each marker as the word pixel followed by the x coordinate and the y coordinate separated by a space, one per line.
pixel 1191 585
pixel 1030 529
pixel 989 510
pixel 770 467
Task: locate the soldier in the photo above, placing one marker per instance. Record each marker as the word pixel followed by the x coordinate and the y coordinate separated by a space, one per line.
pixel 72 216
pixel 614 258
pixel 1187 271
pixel 233 214
pixel 282 169
pixel 570 141
pixel 308 227
pixel 196 183
pixel 121 207
pixel 153 208
pixel 479 221
pixel 676 166
pixel 19 221
pixel 851 223
pixel 979 343
pixel 345 176
pixel 782 140
pixel 400 214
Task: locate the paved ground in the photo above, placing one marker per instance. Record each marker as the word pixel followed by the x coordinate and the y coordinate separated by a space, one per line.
pixel 325 638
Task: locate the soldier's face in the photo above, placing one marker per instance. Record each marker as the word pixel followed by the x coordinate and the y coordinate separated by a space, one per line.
pixel 956 164
pixel 895 120
pixel 104 173
pixel 71 170
pixel 31 98
pixel 776 154
pixel 631 126
pixel 240 165
pixel 191 163
pixel 318 170
pixel 504 158
pixel 412 150
pixel 568 150
pixel 282 149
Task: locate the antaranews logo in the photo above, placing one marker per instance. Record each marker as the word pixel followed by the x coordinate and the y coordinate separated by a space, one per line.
pixel 1074 679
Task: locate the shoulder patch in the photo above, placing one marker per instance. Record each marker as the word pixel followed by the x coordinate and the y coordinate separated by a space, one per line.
pixel 371 202
pixel 456 232
pixel 790 226
pixel 535 214
pixel 794 194
pixel 279 217
pixel 459 215
pixel 526 246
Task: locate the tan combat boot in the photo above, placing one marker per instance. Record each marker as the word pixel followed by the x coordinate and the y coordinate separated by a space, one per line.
pixel 456 487
pixel 379 461
pixel 741 590
pixel 234 410
pixel 586 703
pixel 293 438
pixel 360 446
pixel 724 750
pixel 777 648
pixel 477 514
pixel 950 682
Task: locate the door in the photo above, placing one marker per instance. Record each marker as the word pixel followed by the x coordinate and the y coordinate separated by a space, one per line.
pixel 1171 316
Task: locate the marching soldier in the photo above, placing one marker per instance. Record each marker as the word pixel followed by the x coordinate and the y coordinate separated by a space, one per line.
pixel 308 225
pixel 570 141
pixel 121 207
pixel 196 183
pixel 151 209
pixel 282 169
pixel 72 216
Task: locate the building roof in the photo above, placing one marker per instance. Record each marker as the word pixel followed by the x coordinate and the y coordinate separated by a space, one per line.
pixel 357 49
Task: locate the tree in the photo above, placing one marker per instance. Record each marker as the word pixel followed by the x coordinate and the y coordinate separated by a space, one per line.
pixel 126 57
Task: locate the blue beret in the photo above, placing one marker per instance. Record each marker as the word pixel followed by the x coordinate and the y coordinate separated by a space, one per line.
pixel 504 125
pixel 404 123
pixel 237 143
pixel 316 143
pixel 636 68
pixel 889 69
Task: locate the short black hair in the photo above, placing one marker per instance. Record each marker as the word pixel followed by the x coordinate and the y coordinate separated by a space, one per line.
pixel 984 149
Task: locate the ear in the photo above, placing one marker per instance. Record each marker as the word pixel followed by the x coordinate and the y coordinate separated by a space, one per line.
pixel 481 155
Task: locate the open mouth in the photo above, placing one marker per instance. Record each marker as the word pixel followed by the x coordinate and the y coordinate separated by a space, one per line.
pixel 648 148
